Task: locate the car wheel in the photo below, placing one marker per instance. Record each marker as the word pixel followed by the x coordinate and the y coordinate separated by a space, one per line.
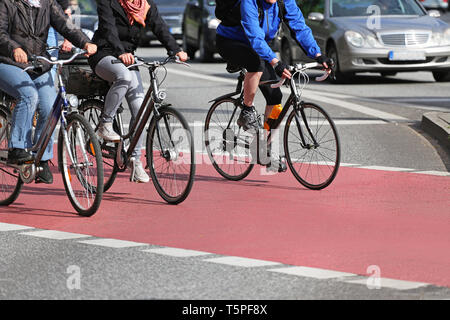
pixel 441 76
pixel 336 75
pixel 286 53
pixel 190 50
pixel 205 54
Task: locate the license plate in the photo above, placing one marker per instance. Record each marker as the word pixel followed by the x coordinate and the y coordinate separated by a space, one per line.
pixel 406 56
pixel 175 30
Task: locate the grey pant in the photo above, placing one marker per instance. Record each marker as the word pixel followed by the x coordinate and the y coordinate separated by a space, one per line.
pixel 125 84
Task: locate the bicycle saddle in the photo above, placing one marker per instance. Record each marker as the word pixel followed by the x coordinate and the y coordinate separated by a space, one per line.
pixel 233 68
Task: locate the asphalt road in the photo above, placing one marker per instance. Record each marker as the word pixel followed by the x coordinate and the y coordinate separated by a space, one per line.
pixel 379 125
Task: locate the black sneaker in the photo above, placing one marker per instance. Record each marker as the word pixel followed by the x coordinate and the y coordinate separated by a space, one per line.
pixel 248 119
pixel 44 175
pixel 19 156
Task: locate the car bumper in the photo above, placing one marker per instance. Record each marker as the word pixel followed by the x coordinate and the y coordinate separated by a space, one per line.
pixel 376 60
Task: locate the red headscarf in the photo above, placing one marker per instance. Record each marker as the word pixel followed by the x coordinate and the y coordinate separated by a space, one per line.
pixel 136 10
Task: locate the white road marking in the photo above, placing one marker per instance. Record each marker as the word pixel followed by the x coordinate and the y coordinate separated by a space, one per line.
pixel 330 98
pixel 113 243
pixel 315 273
pixel 175 252
pixel 391 283
pixel 386 168
pixel 242 262
pixel 435 173
pixel 12 227
pixel 56 235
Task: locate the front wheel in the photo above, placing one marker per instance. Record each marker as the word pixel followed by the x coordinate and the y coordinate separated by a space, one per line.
pixel 314 161
pixel 171 155
pixel 80 163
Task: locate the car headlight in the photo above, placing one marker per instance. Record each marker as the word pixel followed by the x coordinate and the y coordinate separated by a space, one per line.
pixel 373 42
pixel 441 38
pixel 354 38
pixel 213 23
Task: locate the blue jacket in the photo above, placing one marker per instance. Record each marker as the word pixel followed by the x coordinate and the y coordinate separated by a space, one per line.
pixel 257 35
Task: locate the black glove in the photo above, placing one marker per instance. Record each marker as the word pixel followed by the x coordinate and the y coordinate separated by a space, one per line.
pixel 324 59
pixel 279 68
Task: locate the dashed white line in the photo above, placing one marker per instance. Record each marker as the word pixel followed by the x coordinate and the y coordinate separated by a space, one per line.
pixel 113 243
pixel 435 173
pixel 175 252
pixel 315 273
pixel 56 235
pixel 12 227
pixel 386 168
pixel 391 283
pixel 242 262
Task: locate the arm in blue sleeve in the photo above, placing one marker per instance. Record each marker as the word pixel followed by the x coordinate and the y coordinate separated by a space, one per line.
pixel 253 31
pixel 296 23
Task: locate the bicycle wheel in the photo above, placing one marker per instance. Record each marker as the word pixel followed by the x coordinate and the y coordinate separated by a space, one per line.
pixel 10 181
pixel 91 110
pixel 314 165
pixel 171 155
pixel 226 144
pixel 80 163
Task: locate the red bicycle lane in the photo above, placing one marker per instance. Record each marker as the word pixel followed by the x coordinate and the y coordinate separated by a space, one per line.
pixel 398 221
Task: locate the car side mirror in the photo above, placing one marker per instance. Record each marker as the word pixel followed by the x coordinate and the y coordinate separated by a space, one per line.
pixel 316 16
pixel 434 13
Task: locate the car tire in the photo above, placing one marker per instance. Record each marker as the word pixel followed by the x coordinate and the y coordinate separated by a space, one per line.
pixel 190 50
pixel 336 75
pixel 205 54
pixel 286 52
pixel 441 76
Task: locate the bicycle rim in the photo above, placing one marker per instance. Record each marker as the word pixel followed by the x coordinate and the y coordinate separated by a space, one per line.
pixel 83 172
pixel 226 144
pixel 171 155
pixel 91 110
pixel 10 181
pixel 314 165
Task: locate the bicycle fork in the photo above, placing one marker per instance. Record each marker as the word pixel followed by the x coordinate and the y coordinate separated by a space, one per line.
pixel 304 144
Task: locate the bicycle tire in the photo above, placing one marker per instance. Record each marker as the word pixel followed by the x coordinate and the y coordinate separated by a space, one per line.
pixel 10 181
pixel 93 187
pixel 314 160
pixel 167 150
pixel 91 110
pixel 224 145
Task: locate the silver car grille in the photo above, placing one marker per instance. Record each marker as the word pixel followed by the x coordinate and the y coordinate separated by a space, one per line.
pixel 405 39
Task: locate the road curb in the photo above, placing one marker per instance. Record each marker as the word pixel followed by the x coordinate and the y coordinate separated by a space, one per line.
pixel 437 124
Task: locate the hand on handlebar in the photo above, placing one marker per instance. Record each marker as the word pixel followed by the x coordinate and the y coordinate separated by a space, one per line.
pixel 20 56
pixel 282 70
pixel 90 49
pixel 182 56
pixel 127 58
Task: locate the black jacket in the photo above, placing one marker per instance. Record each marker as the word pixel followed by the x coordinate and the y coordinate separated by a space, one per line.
pixel 19 29
pixel 116 36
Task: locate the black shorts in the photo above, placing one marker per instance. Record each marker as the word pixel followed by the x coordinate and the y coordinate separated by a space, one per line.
pixel 239 54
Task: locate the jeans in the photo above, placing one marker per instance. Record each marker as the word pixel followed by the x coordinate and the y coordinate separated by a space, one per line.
pixel 31 93
pixel 126 84
pixel 52 41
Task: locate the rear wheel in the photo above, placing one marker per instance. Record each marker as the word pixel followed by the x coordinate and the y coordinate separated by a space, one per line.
pixel 171 155
pixel 80 163
pixel 91 110
pixel 227 144
pixel 10 181
pixel 315 163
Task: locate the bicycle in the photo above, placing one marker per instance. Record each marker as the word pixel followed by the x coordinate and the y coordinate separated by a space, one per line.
pixel 310 139
pixel 169 146
pixel 78 151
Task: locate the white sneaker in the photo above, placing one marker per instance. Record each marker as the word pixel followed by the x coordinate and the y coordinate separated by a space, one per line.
pixel 138 173
pixel 107 133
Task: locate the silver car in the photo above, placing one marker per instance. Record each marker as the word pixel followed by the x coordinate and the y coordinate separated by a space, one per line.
pixel 441 5
pixel 385 36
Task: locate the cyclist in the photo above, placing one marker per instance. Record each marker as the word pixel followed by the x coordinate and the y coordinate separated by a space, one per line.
pixel 246 44
pixel 117 37
pixel 24 28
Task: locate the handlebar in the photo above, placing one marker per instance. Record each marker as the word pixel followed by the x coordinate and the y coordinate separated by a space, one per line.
pixel 34 59
pixel 139 62
pixel 301 67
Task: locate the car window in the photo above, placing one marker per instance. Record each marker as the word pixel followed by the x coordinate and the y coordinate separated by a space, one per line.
pixel 308 6
pixel 355 8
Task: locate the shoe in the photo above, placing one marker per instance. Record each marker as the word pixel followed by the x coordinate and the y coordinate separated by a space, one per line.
pixel 138 173
pixel 19 156
pixel 277 164
pixel 44 175
pixel 248 119
pixel 107 133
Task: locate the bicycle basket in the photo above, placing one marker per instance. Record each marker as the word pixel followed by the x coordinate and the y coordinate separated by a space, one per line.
pixel 81 81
